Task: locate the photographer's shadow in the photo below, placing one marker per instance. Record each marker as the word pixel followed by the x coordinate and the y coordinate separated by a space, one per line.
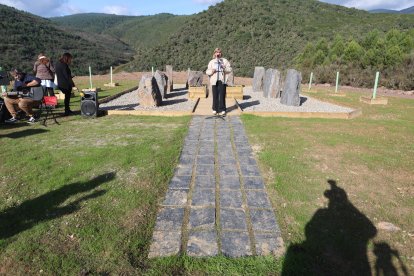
pixel 336 240
pixel 17 219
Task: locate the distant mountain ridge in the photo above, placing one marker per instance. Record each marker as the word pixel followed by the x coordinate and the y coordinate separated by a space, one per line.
pixel 404 11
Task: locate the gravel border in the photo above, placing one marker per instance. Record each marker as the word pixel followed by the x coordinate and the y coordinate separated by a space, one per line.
pixel 176 101
pixel 254 101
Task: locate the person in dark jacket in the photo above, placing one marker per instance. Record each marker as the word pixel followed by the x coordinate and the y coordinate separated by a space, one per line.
pixel 64 79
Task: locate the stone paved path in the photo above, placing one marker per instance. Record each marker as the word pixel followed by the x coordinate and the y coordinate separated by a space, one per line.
pixel 216 202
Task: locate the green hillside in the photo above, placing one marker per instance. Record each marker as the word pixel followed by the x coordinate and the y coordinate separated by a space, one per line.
pixel 269 33
pixel 24 36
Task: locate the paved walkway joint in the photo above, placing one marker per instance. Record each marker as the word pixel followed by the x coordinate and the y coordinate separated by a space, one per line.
pixel 216 202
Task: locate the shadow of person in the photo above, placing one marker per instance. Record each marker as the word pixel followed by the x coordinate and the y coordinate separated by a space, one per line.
pixel 48 206
pixel 336 240
pixel 383 264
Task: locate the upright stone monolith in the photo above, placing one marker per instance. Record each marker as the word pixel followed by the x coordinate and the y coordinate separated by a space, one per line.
pixel 169 73
pixel 258 77
pixel 272 84
pixel 195 78
pixel 148 92
pixel 230 79
pixel 291 90
pixel 161 79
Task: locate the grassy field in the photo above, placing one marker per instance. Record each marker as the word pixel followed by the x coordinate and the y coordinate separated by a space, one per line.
pixel 81 197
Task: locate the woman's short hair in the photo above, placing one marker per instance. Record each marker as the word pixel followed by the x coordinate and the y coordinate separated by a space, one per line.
pixel 65 58
pixel 215 51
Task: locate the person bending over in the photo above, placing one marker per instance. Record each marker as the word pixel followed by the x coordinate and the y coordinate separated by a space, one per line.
pixel 22 83
pixel 218 71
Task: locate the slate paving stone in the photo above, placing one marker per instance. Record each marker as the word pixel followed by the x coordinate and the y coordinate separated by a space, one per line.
pixel 235 244
pixel 205 181
pixel 247 161
pixel 165 243
pixel 205 170
pixel 204 197
pixel 263 221
pixel 176 197
pixel 250 170
pixel 228 170
pixel 202 243
pixel 180 182
pixel 231 198
pixel 169 218
pixel 253 183
pixel 206 151
pixel 268 244
pixel 186 159
pixel 202 218
pixel 232 219
pixel 205 160
pixel 230 183
pixel 258 199
pixel 225 154
pixel 227 160
pixel 184 170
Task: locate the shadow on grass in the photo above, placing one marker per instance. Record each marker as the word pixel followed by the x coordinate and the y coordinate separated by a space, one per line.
pixel 23 133
pixel 336 241
pixel 47 207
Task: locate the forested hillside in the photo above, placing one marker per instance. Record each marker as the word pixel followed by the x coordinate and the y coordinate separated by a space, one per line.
pixel 269 33
pixel 24 36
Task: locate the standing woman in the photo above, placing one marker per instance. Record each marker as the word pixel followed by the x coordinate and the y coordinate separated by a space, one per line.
pixel 44 70
pixel 64 79
pixel 218 71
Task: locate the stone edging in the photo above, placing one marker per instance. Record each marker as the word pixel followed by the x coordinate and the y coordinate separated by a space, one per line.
pixel 110 98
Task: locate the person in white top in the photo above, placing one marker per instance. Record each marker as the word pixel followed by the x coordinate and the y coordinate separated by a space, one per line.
pixel 218 71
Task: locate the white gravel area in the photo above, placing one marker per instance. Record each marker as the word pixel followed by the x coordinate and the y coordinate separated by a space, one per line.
pixel 254 101
pixel 176 101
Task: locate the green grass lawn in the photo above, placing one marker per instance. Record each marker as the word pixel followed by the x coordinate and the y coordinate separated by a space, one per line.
pixel 81 197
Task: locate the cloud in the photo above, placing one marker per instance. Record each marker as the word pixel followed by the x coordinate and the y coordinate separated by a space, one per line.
pixel 44 8
pixel 207 2
pixel 373 4
pixel 118 10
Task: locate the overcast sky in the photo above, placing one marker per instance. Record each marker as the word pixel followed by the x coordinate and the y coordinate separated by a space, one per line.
pixel 48 8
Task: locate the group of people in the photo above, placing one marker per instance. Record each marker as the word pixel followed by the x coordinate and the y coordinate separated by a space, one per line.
pixel 47 75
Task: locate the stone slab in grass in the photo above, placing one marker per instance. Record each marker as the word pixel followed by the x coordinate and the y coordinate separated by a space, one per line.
pixel 205 160
pixel 165 243
pixel 264 221
pixel 180 182
pixel 227 160
pixel 235 244
pixel 233 219
pixel 169 218
pixel 230 183
pixel 184 170
pixel 205 170
pixel 204 197
pixel 250 171
pixel 247 161
pixel 202 218
pixel 228 170
pixel 205 181
pixel 258 199
pixel 175 198
pixel 253 183
pixel 186 159
pixel 231 198
pixel 202 244
pixel 268 244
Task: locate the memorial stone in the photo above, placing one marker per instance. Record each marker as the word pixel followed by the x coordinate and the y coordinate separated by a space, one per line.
pixel 195 78
pixel 230 79
pixel 169 73
pixel 272 84
pixel 291 90
pixel 161 79
pixel 259 73
pixel 148 92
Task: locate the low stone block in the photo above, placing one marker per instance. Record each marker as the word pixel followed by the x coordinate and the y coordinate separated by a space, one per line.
pixel 291 90
pixel 234 92
pixel 202 244
pixel 197 92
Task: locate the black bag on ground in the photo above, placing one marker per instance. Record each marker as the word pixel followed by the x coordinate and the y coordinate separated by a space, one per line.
pixel 4 113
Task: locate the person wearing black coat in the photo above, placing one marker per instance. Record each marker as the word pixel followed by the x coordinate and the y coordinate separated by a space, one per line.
pixel 64 79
